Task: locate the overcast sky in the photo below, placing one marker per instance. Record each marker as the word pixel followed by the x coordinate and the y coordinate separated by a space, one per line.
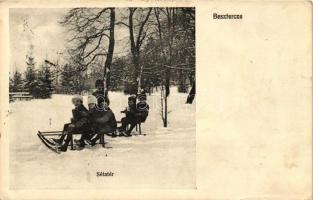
pixel 39 29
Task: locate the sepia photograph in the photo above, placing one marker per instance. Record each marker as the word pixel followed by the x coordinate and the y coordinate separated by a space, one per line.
pixel 102 97
pixel 155 99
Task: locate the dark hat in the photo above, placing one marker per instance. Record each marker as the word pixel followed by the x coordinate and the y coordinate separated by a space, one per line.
pixel 99 82
pixel 142 97
pixel 132 98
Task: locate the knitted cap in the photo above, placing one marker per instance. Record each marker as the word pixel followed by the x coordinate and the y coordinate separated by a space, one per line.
pixel 77 97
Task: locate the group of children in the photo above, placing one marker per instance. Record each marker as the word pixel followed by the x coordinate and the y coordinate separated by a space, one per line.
pixel 99 119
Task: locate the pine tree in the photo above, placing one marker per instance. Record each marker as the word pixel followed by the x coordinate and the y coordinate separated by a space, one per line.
pixel 72 80
pixel 45 82
pixel 31 83
pixel 78 81
pixel 16 82
pixel 118 73
pixel 67 82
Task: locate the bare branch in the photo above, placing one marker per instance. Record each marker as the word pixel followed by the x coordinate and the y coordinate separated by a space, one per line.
pixel 121 23
pixel 139 39
pixel 94 49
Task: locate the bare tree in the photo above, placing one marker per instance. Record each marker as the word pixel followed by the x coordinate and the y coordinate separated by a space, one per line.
pixel 138 31
pixel 108 62
pixel 91 38
pixel 175 34
pixel 188 24
pixel 166 17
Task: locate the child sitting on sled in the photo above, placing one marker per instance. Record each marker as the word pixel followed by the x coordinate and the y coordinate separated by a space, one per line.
pixel 79 123
pixel 142 107
pixel 134 113
pixel 102 120
pixel 130 116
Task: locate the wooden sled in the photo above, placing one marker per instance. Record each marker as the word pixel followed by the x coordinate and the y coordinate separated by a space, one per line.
pixel 43 137
pixel 138 129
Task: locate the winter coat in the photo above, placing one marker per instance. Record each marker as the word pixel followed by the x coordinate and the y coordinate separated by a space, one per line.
pixel 131 112
pixel 80 118
pixel 142 111
pixel 103 121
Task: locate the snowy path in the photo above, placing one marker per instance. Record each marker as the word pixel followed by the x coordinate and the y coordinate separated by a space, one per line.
pixel 165 158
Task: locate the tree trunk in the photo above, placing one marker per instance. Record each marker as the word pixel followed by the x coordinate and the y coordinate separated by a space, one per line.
pixel 136 61
pixel 165 111
pixel 192 94
pixel 109 58
pixel 135 44
pixel 134 51
pixel 167 82
pixel 163 107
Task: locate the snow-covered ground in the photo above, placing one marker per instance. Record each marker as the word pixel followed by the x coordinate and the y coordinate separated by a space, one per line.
pixel 164 158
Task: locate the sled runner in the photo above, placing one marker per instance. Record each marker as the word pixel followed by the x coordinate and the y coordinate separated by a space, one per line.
pixel 138 134
pixel 43 136
pixel 48 143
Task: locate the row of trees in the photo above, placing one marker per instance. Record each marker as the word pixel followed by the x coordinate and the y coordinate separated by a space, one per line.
pixel 50 78
pixel 161 47
pixel 37 82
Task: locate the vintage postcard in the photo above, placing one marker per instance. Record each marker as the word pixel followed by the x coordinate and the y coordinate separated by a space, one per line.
pixel 156 100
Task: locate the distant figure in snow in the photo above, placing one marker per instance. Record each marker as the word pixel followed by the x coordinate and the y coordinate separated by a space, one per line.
pixel 79 123
pixel 99 94
pixel 142 95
